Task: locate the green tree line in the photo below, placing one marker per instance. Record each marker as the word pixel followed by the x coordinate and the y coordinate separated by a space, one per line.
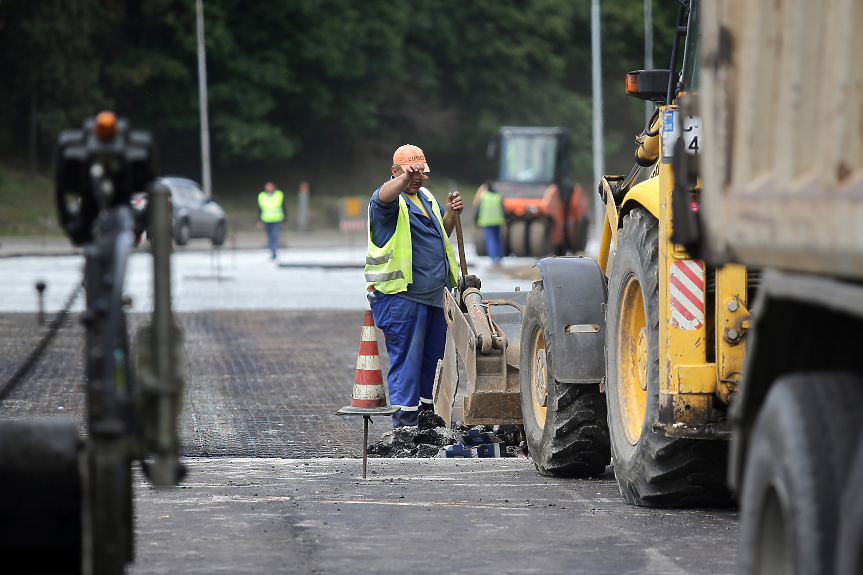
pixel 326 82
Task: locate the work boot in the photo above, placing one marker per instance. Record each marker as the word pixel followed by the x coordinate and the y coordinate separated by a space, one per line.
pixel 405 418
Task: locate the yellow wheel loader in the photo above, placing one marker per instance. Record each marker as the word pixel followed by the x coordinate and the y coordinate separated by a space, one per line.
pixel 646 337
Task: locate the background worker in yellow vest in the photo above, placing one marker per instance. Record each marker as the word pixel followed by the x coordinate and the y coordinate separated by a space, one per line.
pixel 490 218
pixel 408 265
pixel 272 214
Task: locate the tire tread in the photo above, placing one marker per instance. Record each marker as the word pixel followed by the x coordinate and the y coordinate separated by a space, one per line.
pixel 666 471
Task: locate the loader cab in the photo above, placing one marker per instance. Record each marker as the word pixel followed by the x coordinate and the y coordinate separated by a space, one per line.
pixel 533 155
pixel 692 50
pixel 662 87
pixel 676 123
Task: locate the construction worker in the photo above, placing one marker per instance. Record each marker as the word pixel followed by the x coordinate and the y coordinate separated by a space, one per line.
pixel 490 218
pixel 272 214
pixel 408 265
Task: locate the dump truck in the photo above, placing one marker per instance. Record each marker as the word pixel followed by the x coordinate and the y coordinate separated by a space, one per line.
pixel 781 98
pixel 545 212
pixel 636 355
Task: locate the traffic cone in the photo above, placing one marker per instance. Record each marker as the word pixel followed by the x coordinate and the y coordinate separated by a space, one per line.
pixel 369 397
pixel 369 382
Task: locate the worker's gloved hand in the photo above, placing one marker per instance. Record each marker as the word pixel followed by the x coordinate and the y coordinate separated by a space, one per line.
pixel 465 282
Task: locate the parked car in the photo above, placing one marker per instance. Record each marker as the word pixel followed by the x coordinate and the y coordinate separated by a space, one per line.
pixel 193 215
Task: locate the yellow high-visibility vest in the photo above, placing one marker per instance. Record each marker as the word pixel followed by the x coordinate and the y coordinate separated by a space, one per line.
pixel 389 268
pixel 490 210
pixel 271 207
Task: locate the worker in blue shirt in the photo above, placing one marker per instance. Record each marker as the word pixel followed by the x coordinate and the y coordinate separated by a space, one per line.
pixel 409 263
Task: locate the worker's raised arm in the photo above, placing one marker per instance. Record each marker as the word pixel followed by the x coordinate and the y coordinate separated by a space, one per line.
pixel 454 206
pixel 401 182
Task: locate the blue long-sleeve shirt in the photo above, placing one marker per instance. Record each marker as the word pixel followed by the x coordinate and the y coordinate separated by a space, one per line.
pixel 430 266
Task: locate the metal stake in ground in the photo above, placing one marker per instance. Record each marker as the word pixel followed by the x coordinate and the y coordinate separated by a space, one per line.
pixel 367 413
pixel 40 287
pixel 366 420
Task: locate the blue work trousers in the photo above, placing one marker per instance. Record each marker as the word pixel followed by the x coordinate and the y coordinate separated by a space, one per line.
pixel 415 335
pixel 492 243
pixel 273 229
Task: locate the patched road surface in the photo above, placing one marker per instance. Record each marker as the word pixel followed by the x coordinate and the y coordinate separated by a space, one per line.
pixel 274 483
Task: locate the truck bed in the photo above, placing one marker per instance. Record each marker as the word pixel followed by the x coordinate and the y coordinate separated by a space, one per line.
pixel 781 98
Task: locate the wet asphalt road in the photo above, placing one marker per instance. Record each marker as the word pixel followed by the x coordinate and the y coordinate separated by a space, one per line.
pixel 431 516
pixel 274 485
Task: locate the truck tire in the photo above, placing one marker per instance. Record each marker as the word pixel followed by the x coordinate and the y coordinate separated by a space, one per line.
pixel 518 238
pixel 651 469
pixel 539 238
pixel 568 436
pixel 796 466
pixel 479 241
pixel 849 547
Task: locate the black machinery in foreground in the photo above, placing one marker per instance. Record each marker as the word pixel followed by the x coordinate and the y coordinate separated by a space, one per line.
pixel 66 500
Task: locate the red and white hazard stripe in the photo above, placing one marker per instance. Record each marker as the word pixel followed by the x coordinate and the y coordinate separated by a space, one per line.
pixel 368 383
pixel 368 358
pixel 686 288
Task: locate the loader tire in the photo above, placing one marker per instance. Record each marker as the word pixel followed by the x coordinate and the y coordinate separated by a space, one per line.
pixel 568 436
pixel 799 458
pixel 518 238
pixel 651 469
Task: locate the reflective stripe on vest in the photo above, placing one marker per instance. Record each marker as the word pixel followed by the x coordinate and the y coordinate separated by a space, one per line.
pixel 271 207
pixel 490 210
pixel 390 268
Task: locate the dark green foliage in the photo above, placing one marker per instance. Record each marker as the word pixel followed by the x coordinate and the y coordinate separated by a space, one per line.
pixel 323 78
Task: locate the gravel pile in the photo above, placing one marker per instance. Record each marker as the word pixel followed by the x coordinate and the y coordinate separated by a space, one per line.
pixel 430 434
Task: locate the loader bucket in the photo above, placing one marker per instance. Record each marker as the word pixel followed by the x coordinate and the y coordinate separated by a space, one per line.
pixel 489 381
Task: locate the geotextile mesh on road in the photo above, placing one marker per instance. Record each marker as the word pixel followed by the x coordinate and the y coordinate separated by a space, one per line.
pixel 260 383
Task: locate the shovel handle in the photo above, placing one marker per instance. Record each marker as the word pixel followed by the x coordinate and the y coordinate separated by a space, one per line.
pixel 460 239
